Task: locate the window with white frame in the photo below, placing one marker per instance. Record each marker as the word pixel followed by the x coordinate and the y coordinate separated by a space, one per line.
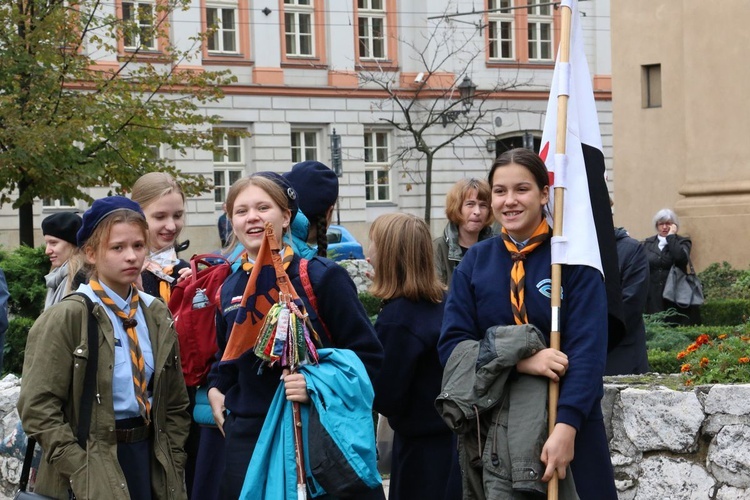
pixel 229 164
pixel 63 202
pixel 500 30
pixel 138 17
pixel 298 28
pixel 377 166
pixel 540 30
pixel 304 145
pixel 371 17
pixel 221 22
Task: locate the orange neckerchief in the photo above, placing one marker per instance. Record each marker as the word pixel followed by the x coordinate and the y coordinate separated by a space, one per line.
pixel 517 273
pixel 136 355
pixel 262 292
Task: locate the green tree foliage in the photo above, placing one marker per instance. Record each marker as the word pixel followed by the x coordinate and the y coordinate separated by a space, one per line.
pixel 74 114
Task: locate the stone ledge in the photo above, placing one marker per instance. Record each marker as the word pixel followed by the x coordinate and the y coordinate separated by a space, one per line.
pixel 680 444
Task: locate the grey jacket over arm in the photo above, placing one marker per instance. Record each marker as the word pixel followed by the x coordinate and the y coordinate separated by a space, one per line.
pixel 499 415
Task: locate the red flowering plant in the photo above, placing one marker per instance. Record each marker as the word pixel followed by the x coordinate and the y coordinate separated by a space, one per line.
pixel 724 359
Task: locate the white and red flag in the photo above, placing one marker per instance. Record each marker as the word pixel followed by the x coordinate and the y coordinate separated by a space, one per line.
pixel 588 232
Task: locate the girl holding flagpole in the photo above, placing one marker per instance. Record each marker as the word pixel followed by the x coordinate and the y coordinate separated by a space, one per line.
pixel 506 281
pixel 241 389
pixel 139 422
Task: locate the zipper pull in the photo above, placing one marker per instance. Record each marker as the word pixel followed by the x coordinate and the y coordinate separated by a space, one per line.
pixel 98 399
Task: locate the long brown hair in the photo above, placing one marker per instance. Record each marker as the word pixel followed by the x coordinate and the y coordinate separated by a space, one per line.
pixel 404 261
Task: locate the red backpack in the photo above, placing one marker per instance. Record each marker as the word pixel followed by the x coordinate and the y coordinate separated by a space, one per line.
pixel 193 304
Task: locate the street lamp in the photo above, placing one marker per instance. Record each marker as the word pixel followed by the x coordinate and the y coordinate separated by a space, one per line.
pixel 466 90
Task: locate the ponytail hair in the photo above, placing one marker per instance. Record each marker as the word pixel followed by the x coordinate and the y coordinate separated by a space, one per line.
pixel 321 226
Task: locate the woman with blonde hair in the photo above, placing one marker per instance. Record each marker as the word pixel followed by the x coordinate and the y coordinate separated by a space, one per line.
pixel 467 206
pixel 408 326
pixel 240 392
pixel 162 200
pixel 59 230
pixel 138 421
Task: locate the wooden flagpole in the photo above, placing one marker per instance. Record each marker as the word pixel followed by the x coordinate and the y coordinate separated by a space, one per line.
pixel 557 230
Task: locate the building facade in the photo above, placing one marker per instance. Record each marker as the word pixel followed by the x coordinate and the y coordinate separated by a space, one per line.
pixel 308 71
pixel 681 115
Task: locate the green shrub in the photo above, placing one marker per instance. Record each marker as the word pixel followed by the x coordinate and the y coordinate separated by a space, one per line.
pixel 15 344
pixel 371 303
pixel 24 269
pixel 663 361
pixel 741 287
pixel 717 280
pixel 725 312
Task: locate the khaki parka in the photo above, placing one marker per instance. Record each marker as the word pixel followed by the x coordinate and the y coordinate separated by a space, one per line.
pixel 51 389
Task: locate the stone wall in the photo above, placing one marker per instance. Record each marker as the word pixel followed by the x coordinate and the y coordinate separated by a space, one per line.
pixel 679 444
pixel 666 444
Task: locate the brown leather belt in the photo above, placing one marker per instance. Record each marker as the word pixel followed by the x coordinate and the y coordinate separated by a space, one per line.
pixel 134 434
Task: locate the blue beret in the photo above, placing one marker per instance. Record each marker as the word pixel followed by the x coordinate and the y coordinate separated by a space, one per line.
pixel 101 209
pixel 63 225
pixel 317 187
pixel 286 186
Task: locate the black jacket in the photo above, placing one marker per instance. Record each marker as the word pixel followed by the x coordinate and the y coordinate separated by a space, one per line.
pixel 676 252
pixel 630 356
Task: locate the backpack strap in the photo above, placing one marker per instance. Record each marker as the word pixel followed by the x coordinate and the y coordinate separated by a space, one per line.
pixel 305 279
pixel 89 379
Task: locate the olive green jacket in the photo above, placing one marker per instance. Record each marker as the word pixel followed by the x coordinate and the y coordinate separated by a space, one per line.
pixel 51 389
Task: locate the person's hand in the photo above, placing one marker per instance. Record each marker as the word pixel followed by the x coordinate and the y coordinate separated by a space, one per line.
pixel 184 274
pixel 558 451
pixel 295 387
pixel 549 363
pixel 216 400
pixel 672 229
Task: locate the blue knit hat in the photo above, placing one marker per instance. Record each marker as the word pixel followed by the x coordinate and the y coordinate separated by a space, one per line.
pixel 63 225
pixel 101 209
pixel 317 187
pixel 286 186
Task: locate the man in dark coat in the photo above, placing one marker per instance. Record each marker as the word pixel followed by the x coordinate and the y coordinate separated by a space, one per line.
pixel 629 356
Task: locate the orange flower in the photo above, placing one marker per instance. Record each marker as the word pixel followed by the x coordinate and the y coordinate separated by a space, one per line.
pixel 745 339
pixel 704 362
pixel 703 339
pixel 689 381
pixel 691 348
pixel 722 336
pixel 681 355
pixel 685 368
pixel 744 360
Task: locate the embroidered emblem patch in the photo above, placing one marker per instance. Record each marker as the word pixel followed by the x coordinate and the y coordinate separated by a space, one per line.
pixel 545 288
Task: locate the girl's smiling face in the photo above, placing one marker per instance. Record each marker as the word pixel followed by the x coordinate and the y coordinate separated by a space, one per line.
pixel 252 208
pixel 166 218
pixel 517 200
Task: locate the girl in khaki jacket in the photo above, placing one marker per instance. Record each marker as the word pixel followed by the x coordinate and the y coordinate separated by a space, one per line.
pixel 139 421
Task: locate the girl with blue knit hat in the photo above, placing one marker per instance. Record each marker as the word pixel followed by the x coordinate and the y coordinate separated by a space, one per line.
pixel 317 188
pixel 138 419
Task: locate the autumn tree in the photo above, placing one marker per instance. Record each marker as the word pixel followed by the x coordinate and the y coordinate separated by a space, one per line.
pixel 442 105
pixel 88 93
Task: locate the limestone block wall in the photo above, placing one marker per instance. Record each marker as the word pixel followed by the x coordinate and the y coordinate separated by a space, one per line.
pixel 665 444
pixel 679 445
